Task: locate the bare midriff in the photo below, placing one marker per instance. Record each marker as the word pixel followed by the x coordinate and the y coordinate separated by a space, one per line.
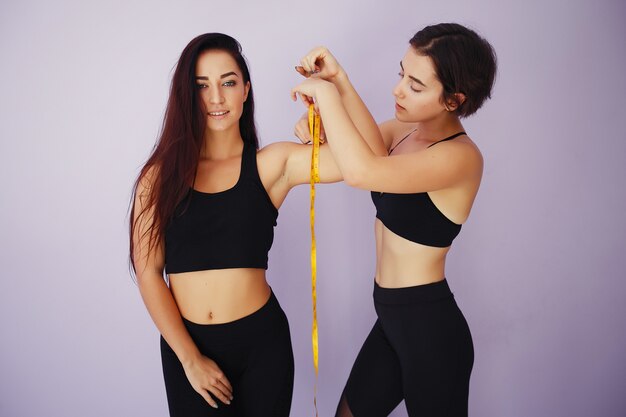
pixel 402 263
pixel 220 295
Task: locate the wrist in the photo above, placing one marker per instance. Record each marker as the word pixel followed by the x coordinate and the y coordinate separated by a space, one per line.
pixel 339 79
pixel 187 359
pixel 342 82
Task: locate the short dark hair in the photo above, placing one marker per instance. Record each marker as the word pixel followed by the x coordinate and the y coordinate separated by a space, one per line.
pixel 464 61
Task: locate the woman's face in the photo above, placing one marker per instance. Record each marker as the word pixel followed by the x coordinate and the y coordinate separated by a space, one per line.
pixel 221 89
pixel 419 91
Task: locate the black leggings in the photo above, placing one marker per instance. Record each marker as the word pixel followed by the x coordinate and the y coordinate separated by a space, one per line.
pixel 254 353
pixel 420 350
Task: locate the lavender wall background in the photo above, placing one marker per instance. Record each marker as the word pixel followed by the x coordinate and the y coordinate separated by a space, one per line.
pixel 538 269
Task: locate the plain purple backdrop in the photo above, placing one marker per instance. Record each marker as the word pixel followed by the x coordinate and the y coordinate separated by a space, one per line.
pixel 538 269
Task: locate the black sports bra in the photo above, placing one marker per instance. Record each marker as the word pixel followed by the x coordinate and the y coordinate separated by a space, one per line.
pixel 228 229
pixel 414 216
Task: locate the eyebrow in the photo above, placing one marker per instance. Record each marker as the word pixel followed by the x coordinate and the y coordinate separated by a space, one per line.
pixel 417 80
pixel 221 76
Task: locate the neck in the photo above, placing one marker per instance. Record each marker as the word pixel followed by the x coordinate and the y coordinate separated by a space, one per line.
pixel 439 128
pixel 221 144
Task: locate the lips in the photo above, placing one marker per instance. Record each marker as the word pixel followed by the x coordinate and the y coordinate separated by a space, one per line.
pixel 218 113
pixel 399 107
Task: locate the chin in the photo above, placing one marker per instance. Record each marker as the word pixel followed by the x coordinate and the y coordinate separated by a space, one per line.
pixel 401 117
pixel 218 127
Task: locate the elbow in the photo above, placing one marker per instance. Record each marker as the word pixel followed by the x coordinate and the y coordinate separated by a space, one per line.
pixel 147 277
pixel 351 180
pixel 142 279
pixel 355 178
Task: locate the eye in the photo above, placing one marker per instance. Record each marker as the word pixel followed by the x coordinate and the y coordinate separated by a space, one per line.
pixel 415 91
pixel 401 74
pixel 230 83
pixel 201 86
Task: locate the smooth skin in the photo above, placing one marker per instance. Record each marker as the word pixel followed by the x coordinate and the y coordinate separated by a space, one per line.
pixel 222 296
pixel 449 172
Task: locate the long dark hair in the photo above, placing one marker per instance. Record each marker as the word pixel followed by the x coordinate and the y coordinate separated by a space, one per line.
pixel 170 169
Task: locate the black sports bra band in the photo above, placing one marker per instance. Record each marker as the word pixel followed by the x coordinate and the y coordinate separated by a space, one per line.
pixel 217 230
pixel 414 216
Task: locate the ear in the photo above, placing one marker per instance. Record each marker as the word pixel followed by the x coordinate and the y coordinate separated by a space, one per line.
pixel 245 91
pixel 452 105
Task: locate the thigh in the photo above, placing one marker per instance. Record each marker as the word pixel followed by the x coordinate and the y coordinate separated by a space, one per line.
pixel 436 355
pixel 182 399
pixel 374 387
pixel 266 386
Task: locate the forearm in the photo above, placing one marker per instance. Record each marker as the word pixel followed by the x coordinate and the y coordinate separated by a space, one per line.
pixel 166 316
pixel 352 154
pixel 359 113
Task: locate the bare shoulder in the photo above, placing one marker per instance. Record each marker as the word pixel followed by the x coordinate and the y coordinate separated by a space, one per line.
pixel 462 152
pixel 394 129
pixel 470 147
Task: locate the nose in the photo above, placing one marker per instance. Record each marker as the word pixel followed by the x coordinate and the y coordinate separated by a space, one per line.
pixel 215 96
pixel 397 90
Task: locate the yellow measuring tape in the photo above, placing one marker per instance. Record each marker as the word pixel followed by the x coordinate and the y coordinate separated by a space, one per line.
pixel 314 129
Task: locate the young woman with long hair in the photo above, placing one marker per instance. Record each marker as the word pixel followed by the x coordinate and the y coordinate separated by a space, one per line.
pixel 420 348
pixel 204 208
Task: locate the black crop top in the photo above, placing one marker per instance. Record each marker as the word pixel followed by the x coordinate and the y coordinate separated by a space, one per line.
pixel 414 216
pixel 229 229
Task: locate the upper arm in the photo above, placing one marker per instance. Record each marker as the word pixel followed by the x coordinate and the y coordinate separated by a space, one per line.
pixel 148 256
pixel 299 165
pixel 290 164
pixel 443 166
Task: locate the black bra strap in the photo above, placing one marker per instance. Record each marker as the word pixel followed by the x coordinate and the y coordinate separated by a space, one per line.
pixel 401 140
pixel 442 140
pixel 448 138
